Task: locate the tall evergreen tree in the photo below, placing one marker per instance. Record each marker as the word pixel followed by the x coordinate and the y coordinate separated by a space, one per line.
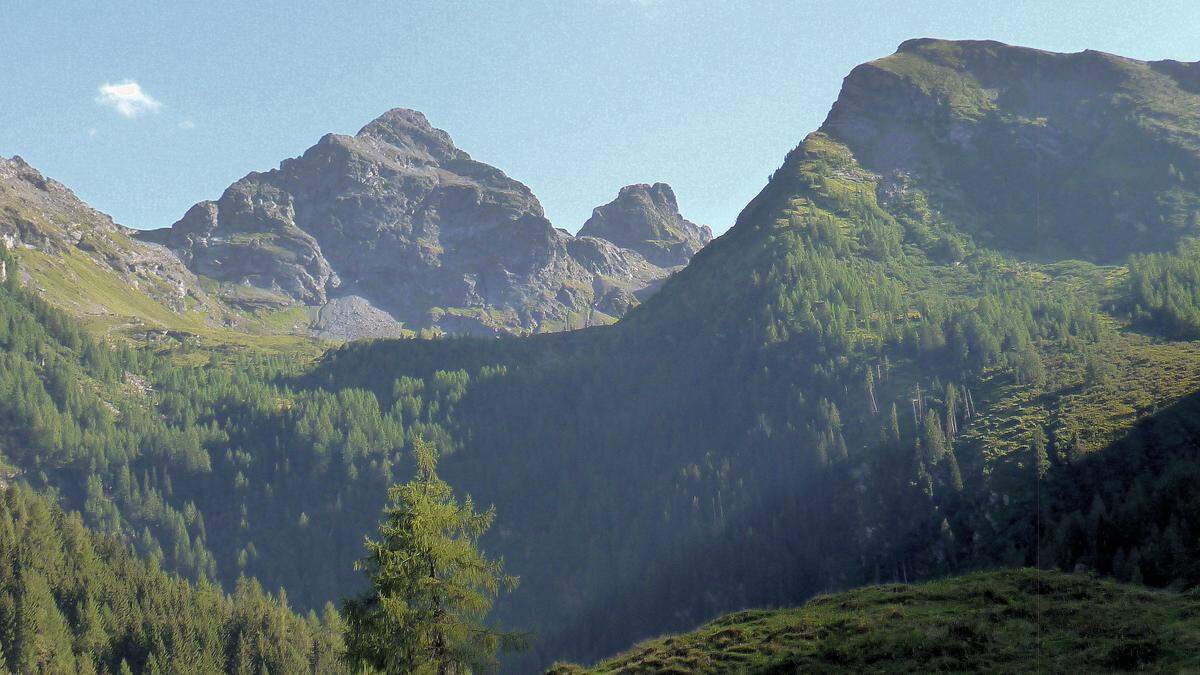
pixel 44 641
pixel 933 439
pixel 431 586
pixel 1039 459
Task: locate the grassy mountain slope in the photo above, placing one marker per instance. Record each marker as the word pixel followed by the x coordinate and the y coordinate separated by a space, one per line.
pixel 77 284
pixel 1086 155
pixel 1014 621
pixel 82 262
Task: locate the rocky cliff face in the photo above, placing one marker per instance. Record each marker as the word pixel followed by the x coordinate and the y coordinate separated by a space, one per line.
pixel 76 242
pixel 397 226
pixel 646 219
pixel 1110 145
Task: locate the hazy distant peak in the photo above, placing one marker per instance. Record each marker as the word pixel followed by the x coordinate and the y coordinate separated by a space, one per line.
pixel 645 217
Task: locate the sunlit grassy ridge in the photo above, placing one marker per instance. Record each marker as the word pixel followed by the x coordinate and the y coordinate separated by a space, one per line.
pixel 109 306
pixel 1011 621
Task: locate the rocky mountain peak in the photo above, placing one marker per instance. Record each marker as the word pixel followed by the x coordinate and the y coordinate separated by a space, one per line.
pixel 16 174
pixel 44 211
pixel 396 223
pixel 410 131
pixel 660 194
pixel 646 219
pixel 16 164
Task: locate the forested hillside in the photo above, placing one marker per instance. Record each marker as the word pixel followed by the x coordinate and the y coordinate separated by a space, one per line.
pixel 910 357
pixel 72 602
pixel 214 470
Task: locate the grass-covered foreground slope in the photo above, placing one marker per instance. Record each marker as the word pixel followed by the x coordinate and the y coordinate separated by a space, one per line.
pixel 1013 621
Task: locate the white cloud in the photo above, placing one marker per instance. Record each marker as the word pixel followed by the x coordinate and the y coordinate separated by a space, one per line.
pixel 127 98
pixel 187 124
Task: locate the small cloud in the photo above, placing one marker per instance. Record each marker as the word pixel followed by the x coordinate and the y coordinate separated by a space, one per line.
pixel 187 124
pixel 91 132
pixel 127 98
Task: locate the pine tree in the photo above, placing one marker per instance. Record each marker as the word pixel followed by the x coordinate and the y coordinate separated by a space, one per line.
pixel 894 426
pixel 431 585
pixel 1039 460
pixel 43 637
pixel 90 637
pixel 953 471
pixel 951 411
pixel 933 440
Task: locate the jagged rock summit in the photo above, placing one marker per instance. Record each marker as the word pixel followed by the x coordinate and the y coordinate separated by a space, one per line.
pixel 400 228
pixel 646 219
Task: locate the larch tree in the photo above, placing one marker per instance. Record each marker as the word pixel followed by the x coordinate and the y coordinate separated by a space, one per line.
pixel 431 586
pixel 1039 459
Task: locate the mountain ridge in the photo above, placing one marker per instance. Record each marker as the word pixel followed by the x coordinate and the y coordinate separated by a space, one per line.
pixel 1046 113
pixel 82 260
pixel 240 270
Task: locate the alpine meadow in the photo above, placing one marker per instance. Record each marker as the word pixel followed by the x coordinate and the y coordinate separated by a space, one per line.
pixel 932 403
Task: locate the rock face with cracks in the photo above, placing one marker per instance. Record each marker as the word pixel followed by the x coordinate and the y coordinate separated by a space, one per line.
pixel 400 228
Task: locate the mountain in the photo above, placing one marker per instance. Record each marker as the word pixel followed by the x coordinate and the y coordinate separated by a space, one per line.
pixel 1108 145
pixel 81 261
pixel 646 219
pixel 906 360
pixel 396 228
pixel 867 377
pixel 998 621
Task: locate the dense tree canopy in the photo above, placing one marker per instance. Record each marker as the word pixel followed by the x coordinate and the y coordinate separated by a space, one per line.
pixel 72 602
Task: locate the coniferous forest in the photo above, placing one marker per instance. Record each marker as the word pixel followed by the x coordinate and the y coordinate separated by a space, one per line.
pixel 912 358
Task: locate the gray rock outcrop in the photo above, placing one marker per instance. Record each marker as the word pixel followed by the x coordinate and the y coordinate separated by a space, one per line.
pixel 646 219
pixel 420 232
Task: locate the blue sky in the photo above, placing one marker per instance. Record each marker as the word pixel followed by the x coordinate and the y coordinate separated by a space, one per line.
pixel 573 97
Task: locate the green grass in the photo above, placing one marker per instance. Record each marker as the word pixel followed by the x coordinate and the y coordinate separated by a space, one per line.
pixel 966 97
pixel 109 306
pixel 96 295
pixel 1008 621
